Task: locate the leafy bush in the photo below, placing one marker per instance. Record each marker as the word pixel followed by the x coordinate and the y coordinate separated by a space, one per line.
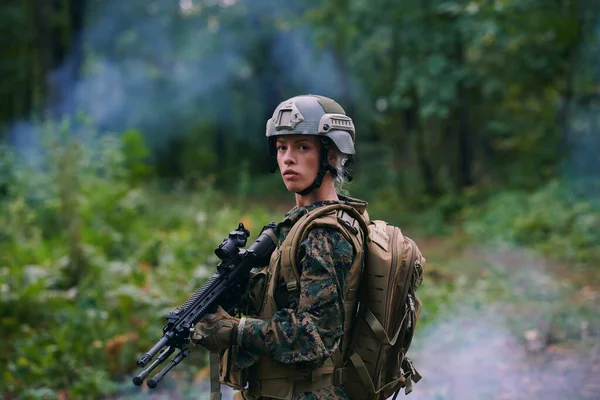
pixel 561 219
pixel 91 262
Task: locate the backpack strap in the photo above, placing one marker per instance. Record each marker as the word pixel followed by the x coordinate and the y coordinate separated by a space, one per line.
pixel 378 330
pixel 342 216
pixel 353 225
pixel 410 375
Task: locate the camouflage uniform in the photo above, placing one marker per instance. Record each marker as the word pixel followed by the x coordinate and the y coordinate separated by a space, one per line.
pixel 308 334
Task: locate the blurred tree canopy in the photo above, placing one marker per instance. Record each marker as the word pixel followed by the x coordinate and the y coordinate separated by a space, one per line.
pixel 446 95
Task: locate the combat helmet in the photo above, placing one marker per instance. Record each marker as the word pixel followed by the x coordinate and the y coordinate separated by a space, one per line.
pixel 314 115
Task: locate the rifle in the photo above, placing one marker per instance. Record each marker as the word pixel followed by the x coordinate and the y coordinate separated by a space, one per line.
pixel 224 288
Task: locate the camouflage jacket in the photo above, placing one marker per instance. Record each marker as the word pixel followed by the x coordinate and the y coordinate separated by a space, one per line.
pixel 310 333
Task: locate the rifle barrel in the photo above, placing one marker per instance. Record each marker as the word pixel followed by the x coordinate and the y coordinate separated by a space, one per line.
pixel 142 362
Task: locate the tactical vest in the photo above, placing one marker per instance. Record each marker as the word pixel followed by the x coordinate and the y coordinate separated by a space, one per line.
pixel 271 378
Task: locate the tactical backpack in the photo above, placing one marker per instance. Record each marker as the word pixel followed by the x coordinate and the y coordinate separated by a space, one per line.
pixel 380 303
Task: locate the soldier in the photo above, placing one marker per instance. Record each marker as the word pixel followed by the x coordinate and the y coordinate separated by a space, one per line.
pixel 286 344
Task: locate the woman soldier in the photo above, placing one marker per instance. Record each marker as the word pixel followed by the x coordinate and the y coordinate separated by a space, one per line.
pixel 290 340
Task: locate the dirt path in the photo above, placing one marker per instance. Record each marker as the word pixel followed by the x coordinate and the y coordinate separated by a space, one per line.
pixel 514 327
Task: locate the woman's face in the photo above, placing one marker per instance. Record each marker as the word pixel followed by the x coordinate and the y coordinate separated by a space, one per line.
pixel 298 160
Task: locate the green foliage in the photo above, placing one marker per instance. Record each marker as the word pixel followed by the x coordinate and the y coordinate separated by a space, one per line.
pixel 555 219
pixel 462 92
pixel 136 156
pixel 465 92
pixel 91 264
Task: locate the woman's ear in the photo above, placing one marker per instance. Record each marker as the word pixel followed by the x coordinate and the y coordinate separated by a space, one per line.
pixel 332 155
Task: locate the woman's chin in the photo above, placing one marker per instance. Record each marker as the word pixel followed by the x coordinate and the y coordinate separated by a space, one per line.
pixel 293 187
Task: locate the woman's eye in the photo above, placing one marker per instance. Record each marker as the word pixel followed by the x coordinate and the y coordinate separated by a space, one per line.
pixel 280 148
pixel 303 147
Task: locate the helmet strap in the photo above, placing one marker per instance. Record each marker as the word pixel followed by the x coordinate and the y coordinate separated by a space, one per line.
pixel 323 168
pixel 271 144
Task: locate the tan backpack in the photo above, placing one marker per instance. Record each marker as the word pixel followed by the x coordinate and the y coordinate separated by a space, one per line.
pixel 372 363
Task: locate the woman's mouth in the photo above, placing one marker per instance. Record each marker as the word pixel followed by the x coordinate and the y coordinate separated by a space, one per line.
pixel 290 174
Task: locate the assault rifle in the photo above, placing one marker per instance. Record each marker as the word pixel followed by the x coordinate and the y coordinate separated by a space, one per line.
pixel 225 288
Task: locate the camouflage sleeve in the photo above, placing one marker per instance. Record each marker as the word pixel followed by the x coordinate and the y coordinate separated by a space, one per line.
pixel 308 335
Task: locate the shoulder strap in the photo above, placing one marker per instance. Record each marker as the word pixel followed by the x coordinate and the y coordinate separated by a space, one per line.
pixel 321 216
pixel 353 226
pixel 215 383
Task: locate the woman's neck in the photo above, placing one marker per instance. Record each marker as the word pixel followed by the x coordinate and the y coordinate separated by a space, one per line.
pixel 325 192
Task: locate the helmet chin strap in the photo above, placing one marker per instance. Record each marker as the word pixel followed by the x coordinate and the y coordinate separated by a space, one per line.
pixel 323 168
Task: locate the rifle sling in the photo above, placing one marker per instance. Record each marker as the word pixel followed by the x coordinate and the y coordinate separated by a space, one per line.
pixel 215 384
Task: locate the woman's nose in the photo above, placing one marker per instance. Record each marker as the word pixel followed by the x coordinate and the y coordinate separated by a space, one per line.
pixel 288 158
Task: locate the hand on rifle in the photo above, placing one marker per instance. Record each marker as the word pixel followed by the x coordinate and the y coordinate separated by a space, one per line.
pixel 216 331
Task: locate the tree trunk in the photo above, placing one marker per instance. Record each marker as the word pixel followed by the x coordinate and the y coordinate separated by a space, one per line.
pixel 564 114
pixel 67 55
pixel 421 153
pixel 465 167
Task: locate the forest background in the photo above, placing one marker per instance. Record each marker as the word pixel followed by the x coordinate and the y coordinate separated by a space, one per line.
pixel 132 141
